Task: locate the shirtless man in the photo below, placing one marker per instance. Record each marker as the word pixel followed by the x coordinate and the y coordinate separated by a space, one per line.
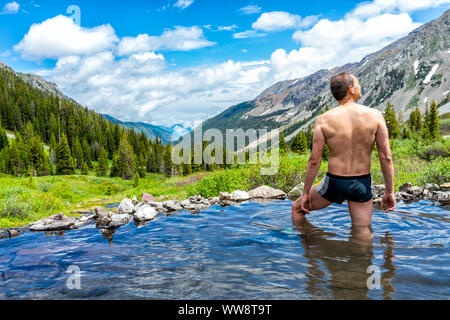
pixel 350 130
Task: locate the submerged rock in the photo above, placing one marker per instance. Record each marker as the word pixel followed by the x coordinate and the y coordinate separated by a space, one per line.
pixel 267 192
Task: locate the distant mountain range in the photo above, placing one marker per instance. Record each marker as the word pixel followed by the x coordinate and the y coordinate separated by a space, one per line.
pixel 167 134
pixel 410 72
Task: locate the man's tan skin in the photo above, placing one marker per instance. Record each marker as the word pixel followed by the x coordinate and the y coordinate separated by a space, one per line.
pixel 350 130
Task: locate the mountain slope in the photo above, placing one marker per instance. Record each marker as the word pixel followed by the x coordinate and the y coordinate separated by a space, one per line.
pixel 410 72
pixel 151 131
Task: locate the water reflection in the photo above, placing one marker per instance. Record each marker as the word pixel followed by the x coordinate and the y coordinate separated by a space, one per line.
pixel 346 262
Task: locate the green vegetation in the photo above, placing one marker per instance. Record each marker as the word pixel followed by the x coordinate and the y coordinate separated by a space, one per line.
pixel 22 202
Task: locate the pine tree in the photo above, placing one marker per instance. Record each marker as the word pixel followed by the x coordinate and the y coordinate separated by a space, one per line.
pixel 136 180
pixel 102 166
pixel 391 121
pixel 64 162
pixel 78 153
pixel 3 138
pixel 15 160
pixel 142 166
pixel 53 149
pixel 114 167
pixel 168 161
pixel 283 144
pixel 84 169
pixel 125 160
pixel 299 143
pixel 433 121
pixel 86 153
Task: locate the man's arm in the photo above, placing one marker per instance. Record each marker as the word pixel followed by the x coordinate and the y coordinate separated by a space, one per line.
pixel 316 156
pixel 385 155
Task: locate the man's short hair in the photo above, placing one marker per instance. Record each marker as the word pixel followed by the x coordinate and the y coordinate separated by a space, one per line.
pixel 340 83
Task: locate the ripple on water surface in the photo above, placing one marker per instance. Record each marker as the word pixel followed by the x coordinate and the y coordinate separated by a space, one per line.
pixel 250 251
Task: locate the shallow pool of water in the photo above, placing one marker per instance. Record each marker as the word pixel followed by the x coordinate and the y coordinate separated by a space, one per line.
pixel 249 251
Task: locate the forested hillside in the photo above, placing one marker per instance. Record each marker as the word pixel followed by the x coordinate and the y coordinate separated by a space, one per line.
pixel 76 136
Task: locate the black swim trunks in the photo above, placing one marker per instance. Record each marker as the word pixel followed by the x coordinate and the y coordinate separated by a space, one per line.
pixel 340 188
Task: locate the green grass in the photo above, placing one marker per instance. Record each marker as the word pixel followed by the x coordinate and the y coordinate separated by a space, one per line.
pixel 22 203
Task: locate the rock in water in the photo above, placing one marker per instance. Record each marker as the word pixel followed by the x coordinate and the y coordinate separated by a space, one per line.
pixel 120 218
pixel 134 201
pixel 53 225
pixel 239 195
pixel 172 206
pixel 101 216
pixel 126 207
pixel 267 192
pixel 145 212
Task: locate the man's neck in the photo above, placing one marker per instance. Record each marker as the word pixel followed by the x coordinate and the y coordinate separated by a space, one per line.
pixel 347 102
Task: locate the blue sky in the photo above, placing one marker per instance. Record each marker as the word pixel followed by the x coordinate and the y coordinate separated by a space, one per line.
pixel 183 61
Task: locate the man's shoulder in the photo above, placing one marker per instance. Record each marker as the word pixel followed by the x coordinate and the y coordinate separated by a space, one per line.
pixel 374 111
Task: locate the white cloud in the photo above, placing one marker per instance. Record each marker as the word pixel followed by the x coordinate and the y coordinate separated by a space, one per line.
pixel 183 4
pixel 179 39
pixel 11 8
pixel 60 36
pixel 140 88
pixel 227 28
pixel 281 20
pixel 250 9
pixel 377 7
pixel 248 34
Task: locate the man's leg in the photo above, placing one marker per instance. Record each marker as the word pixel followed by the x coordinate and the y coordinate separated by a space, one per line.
pixel 361 213
pixel 317 201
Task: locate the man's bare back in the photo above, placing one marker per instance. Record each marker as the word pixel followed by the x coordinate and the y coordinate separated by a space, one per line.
pixel 350 133
pixel 350 130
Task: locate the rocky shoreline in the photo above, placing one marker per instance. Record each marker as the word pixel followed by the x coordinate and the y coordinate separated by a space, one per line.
pixel 148 208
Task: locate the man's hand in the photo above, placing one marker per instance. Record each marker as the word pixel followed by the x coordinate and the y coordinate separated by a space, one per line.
pixel 302 205
pixel 388 201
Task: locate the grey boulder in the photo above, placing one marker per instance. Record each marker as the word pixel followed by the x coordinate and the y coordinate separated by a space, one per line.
pixel 145 212
pixel 267 192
